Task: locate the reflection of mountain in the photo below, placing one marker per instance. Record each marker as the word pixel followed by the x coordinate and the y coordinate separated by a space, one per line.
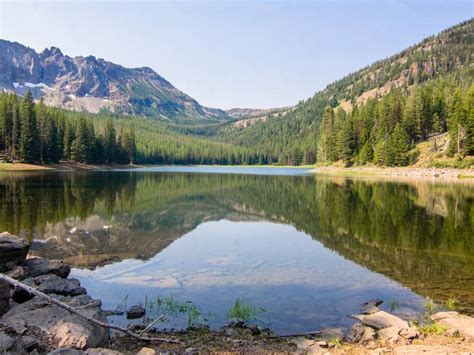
pixel 419 235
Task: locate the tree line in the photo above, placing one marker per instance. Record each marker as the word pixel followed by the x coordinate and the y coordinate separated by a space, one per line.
pixel 34 133
pixel 384 131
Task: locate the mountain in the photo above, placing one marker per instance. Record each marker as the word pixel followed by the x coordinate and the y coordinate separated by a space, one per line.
pixel 439 65
pixel 93 84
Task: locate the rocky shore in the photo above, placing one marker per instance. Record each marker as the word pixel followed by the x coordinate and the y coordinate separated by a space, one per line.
pixel 32 324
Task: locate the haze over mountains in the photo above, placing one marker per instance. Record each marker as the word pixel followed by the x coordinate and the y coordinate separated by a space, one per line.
pixel 92 84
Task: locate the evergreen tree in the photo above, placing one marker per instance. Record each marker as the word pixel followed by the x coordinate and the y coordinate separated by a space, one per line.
pixel 29 138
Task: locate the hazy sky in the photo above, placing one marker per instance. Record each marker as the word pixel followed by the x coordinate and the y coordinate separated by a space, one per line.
pixel 233 53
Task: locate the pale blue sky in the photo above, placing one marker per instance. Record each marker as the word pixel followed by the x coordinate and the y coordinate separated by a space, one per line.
pixel 233 53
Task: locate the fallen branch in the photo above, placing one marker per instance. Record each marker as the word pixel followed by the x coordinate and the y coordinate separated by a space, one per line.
pixel 63 305
pixel 151 324
pixel 316 332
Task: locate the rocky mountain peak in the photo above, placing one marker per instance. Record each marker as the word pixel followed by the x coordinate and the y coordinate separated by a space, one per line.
pixel 87 83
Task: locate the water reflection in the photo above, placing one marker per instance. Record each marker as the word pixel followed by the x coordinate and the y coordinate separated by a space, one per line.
pixel 419 235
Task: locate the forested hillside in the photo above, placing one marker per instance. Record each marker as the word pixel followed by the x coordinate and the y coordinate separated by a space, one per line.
pixel 376 115
pixel 379 113
pixel 34 133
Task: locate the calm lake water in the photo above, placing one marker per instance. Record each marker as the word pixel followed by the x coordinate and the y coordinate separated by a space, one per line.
pixel 307 249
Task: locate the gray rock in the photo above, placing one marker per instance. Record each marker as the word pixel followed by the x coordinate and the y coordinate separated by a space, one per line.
pixel 51 283
pixel 66 351
pixel 234 323
pixel 148 351
pixel 361 334
pixel 18 327
pixel 29 343
pixel 66 329
pixel 390 335
pixel 380 320
pixel 135 312
pixel 13 250
pixel 39 266
pixel 102 351
pixel 6 342
pixel 371 306
pixel 4 296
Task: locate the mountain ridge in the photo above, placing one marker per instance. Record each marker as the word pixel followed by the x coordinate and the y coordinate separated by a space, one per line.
pixel 87 83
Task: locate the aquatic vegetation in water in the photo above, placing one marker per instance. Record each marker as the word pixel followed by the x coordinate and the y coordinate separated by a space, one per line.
pixel 430 307
pixel 244 312
pixel 452 303
pixel 394 304
pixel 172 307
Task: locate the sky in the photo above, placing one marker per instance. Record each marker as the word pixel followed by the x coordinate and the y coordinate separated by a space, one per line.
pixel 226 54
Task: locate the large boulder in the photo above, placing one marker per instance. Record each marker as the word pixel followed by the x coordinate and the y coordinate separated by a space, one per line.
pixel 38 266
pixel 62 327
pixel 13 250
pixel 456 323
pixel 51 283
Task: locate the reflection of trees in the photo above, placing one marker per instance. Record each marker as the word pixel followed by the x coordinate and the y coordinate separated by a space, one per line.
pixel 418 234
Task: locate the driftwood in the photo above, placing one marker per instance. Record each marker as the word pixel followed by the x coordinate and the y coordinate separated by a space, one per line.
pixel 316 332
pixel 73 310
pixel 151 324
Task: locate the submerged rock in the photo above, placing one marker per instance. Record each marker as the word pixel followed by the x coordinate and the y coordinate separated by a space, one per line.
pixel 13 250
pixel 135 312
pixel 371 306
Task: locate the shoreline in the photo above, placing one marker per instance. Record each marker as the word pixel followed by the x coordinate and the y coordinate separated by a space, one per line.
pixel 22 167
pixel 396 172
pixel 32 323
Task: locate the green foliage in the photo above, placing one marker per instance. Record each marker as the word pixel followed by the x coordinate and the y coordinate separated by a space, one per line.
pixel 432 328
pixel 452 303
pixel 171 306
pixel 244 312
pixel 431 92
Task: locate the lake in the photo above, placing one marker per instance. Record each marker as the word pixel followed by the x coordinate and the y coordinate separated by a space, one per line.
pixel 303 250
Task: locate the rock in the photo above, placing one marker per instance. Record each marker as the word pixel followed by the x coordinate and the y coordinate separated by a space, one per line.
pixel 4 296
pixel 322 343
pixel 29 343
pixel 135 312
pixel 371 306
pixel 308 346
pixel 381 320
pixel 66 351
pixel 356 333
pixel 66 329
pixel 39 266
pixel 18 327
pixel 230 332
pixel 410 333
pixel 390 335
pixel 423 349
pixel 191 351
pixel 51 283
pixel 13 250
pixel 361 334
pixel 101 351
pixel 18 273
pixel 6 342
pixel 456 323
pixel 234 323
pixel 368 336
pixel 148 351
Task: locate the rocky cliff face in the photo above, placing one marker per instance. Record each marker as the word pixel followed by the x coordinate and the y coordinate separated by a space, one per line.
pixel 92 84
